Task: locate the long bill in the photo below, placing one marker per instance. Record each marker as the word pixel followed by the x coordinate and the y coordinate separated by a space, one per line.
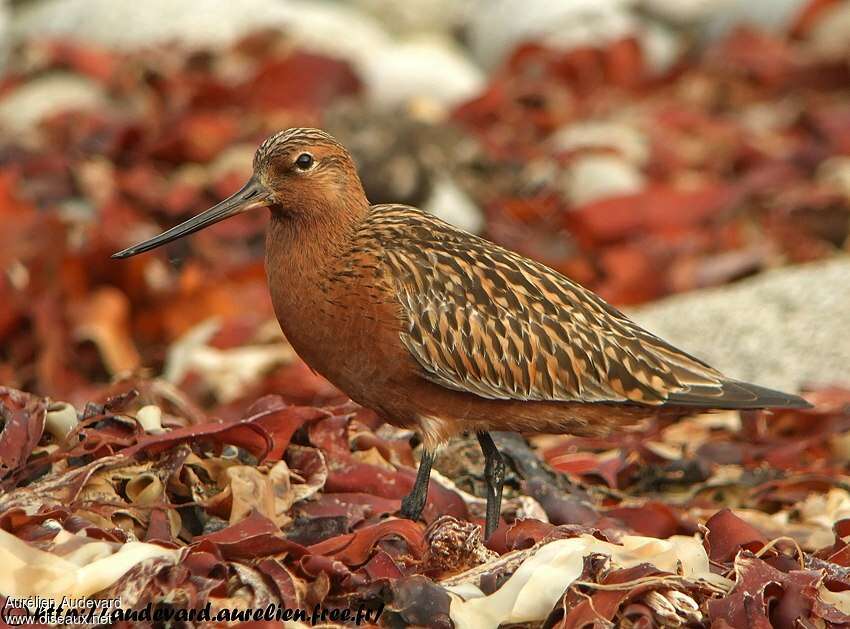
pixel 252 195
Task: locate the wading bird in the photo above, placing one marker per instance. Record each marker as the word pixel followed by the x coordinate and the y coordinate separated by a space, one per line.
pixel 443 332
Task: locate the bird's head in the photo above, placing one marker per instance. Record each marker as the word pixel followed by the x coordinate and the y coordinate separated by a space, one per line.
pixel 300 174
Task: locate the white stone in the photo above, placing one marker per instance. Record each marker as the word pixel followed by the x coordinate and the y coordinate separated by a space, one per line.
pixel 661 46
pixel 599 176
pixel 394 70
pixel 684 10
pixel 430 68
pixel 22 108
pixel 835 173
pixel 448 202
pixel 497 26
pixel 627 139
pixel 422 16
pixel 830 35
pixel 129 24
pixel 335 29
pixel 5 28
pixel 775 15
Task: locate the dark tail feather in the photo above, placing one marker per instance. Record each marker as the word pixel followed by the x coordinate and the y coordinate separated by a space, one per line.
pixel 737 395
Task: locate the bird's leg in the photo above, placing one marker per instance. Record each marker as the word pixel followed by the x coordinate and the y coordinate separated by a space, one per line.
pixel 494 474
pixel 414 502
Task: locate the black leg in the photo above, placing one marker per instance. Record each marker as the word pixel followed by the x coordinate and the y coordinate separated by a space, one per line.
pixel 494 474
pixel 414 502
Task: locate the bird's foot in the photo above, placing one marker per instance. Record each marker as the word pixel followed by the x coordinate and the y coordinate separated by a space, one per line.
pixel 494 473
pixel 414 502
pixel 412 505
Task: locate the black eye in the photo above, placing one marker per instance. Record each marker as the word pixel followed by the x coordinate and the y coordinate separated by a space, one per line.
pixel 304 161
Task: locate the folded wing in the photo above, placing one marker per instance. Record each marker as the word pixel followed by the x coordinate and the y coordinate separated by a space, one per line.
pixel 484 320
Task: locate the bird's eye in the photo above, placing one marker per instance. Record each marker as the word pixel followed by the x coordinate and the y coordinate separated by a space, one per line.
pixel 304 161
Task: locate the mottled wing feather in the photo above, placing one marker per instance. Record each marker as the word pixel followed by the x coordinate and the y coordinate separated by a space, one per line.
pixel 484 320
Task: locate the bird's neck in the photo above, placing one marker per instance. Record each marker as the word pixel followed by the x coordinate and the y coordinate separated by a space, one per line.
pixel 306 242
pixel 303 255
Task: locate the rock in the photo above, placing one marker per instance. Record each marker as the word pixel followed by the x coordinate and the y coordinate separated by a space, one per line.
pixel 830 35
pixel 497 27
pixel 625 138
pixel 394 71
pixel 453 205
pixel 783 329
pixel 597 173
pixel 593 177
pixel 834 173
pixel 684 11
pixel 430 68
pixel 22 108
pixel 326 27
pixel 774 16
pixel 332 29
pixel 422 16
pixel 128 24
pixel 715 18
pixel 661 45
pixel 5 27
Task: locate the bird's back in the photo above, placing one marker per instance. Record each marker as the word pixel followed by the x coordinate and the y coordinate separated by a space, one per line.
pixel 480 319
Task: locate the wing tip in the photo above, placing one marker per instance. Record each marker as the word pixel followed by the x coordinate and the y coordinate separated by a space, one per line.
pixel 743 395
pixel 771 398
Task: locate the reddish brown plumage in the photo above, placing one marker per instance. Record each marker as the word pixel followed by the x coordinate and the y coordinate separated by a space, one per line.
pixel 442 331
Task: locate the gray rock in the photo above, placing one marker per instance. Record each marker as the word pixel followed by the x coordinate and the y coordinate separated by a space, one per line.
pixel 783 329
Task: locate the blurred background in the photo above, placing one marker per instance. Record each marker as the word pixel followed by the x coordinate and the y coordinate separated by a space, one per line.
pixel 644 148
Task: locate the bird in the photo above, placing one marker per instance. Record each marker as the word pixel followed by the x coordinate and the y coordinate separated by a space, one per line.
pixel 443 332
